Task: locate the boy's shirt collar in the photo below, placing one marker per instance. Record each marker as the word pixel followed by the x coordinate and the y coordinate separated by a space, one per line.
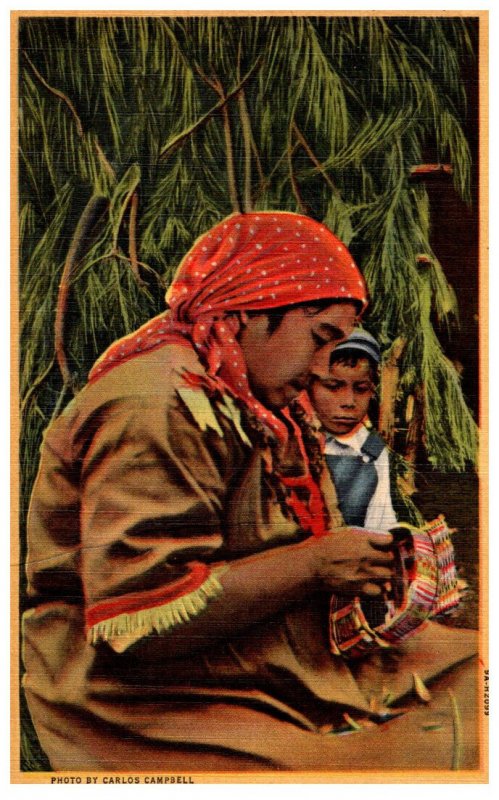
pixel 353 440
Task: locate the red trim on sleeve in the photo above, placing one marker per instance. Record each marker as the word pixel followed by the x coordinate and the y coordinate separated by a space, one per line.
pixel 139 601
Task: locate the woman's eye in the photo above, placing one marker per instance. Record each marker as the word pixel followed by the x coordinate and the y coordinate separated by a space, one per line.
pixel 319 340
pixel 332 387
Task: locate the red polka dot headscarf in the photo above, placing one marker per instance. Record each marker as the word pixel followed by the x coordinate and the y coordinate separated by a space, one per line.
pixel 262 261
pixel 248 262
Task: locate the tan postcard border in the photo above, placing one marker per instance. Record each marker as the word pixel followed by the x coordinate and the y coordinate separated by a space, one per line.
pixel 416 777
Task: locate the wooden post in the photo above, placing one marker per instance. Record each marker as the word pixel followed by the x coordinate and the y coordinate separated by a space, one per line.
pixel 388 391
pixel 429 171
pixel 415 419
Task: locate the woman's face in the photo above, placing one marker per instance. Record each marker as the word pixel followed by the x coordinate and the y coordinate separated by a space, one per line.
pixel 279 362
pixel 342 399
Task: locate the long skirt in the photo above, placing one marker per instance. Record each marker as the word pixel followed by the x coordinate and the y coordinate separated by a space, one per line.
pixel 441 734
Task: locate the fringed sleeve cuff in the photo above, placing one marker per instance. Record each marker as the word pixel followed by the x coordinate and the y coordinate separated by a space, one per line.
pixel 123 620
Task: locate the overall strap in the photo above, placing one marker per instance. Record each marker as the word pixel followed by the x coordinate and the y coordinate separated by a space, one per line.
pixel 355 478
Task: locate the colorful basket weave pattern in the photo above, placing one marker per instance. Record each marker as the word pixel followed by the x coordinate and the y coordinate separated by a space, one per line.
pixel 428 586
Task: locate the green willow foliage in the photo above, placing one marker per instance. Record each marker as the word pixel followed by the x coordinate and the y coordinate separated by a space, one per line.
pixel 169 124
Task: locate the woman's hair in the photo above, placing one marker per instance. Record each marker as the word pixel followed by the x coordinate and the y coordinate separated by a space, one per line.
pixel 275 316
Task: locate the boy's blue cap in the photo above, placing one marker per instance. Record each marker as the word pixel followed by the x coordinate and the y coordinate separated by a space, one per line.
pixel 361 341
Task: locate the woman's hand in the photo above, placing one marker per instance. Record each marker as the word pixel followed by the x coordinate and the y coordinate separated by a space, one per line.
pixel 353 561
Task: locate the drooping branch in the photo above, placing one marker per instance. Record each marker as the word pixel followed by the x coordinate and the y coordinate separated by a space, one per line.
pixel 256 156
pixel 296 189
pixel 179 140
pixel 214 83
pixel 231 171
pixel 132 236
pixel 294 183
pixel 36 383
pixel 31 173
pixel 46 149
pixel 79 125
pixel 285 156
pixel 65 99
pixel 79 243
pixel 103 160
pixel 247 142
pixel 113 253
pixel 142 266
pixel 313 158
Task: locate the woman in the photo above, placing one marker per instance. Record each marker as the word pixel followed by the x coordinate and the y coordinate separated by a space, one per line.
pixel 183 544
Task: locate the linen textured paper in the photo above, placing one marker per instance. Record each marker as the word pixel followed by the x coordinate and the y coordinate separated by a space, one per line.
pixel 192 192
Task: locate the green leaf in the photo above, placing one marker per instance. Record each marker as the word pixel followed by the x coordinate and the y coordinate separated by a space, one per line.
pixel 338 218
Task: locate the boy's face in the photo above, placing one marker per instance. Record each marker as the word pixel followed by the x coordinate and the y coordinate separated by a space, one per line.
pixel 341 400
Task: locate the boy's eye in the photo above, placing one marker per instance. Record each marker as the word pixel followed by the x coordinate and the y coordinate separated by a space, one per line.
pixel 363 388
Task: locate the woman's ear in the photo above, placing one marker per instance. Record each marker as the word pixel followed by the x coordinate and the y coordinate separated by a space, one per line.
pixel 243 317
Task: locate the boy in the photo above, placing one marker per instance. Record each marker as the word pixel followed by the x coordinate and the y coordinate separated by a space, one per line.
pixel 356 456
